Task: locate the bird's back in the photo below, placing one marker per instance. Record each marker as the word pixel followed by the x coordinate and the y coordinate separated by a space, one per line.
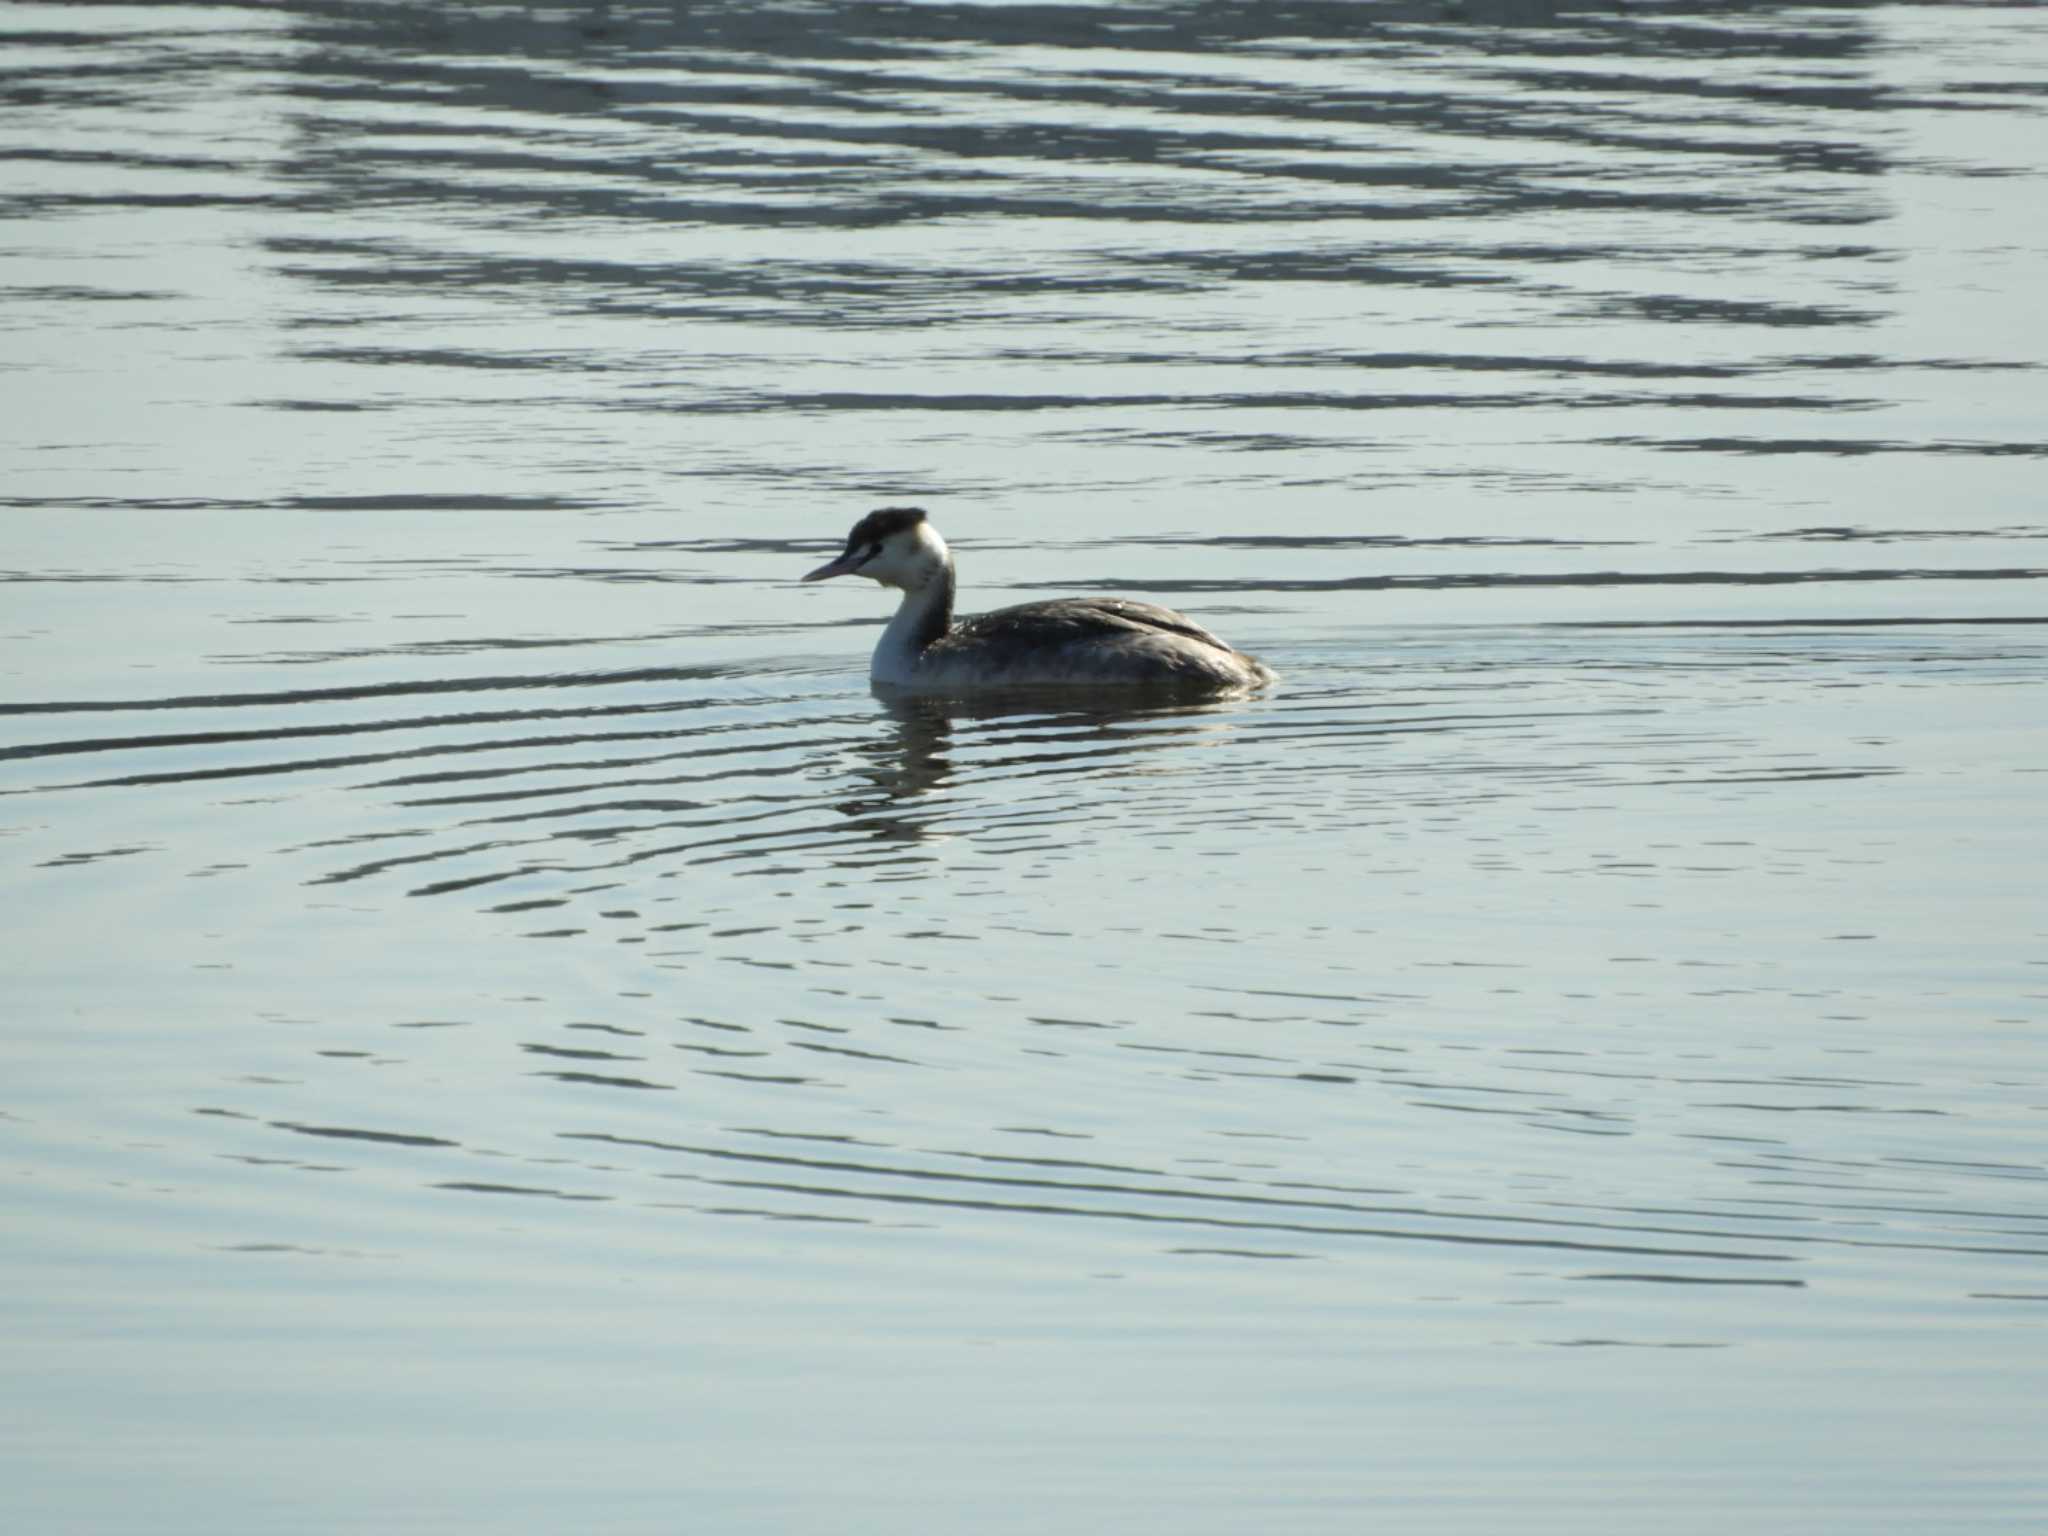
pixel 1088 639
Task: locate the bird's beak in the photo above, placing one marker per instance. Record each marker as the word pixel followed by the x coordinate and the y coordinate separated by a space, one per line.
pixel 845 565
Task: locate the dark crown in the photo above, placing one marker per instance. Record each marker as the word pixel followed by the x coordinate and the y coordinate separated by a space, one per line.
pixel 884 524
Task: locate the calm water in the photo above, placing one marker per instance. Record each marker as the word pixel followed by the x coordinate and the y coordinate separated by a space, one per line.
pixel 504 1032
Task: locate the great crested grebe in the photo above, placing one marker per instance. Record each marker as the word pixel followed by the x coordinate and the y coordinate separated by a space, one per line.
pixel 1092 642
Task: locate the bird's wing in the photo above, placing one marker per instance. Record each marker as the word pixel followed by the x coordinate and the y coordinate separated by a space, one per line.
pixel 1080 618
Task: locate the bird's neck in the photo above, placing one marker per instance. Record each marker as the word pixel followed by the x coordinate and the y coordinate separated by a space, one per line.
pixel 921 620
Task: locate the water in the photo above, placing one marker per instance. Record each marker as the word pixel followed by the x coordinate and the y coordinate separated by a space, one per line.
pixel 505 1032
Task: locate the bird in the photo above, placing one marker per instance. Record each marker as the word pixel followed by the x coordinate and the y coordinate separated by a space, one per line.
pixel 1069 642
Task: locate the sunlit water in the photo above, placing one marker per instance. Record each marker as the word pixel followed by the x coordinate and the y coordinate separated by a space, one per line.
pixel 504 1031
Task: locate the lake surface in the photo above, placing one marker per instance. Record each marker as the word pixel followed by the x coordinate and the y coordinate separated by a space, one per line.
pixel 505 1031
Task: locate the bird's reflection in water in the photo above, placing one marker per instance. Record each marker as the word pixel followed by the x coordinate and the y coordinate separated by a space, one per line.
pixel 1027 732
